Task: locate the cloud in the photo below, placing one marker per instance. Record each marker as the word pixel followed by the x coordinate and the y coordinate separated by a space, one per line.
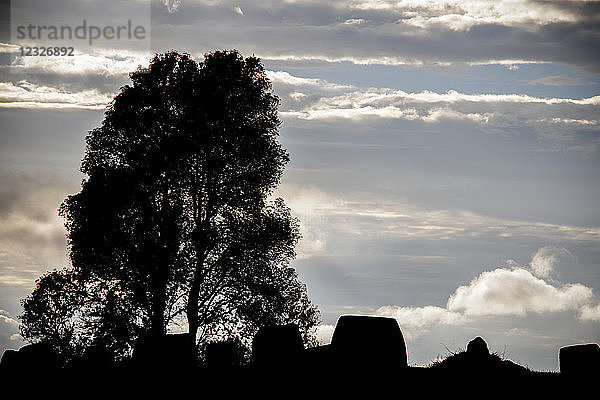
pixel 172 5
pixel 381 97
pixel 545 259
pixel 311 206
pixel 7 319
pixel 286 79
pixel 392 33
pixel 463 15
pixel 519 332
pixel 571 121
pixel 86 81
pixel 508 291
pixel 557 80
pixel 32 236
pixel 560 124
pixel 517 292
pixel 9 327
pixel 414 321
pixel 494 111
pixel 101 70
pixel 96 62
pixel 369 32
pixel 355 21
pixel 590 313
pixel 24 94
pixel 324 215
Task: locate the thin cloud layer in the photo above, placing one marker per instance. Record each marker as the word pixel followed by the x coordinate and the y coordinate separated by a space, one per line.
pixel 24 94
pixel 395 32
pixel 560 123
pixel 557 80
pixel 463 15
pixel 32 237
pixel 283 79
pixel 414 321
pixel 7 319
pixel 9 331
pixel 367 32
pixel 324 216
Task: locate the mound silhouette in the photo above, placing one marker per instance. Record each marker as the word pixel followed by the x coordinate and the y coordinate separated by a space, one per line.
pixel 479 361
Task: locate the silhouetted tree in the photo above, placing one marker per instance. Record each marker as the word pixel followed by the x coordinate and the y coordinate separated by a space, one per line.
pixel 72 314
pixel 173 221
pixel 49 311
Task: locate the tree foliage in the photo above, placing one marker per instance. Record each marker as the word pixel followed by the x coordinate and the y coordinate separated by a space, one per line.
pixel 173 223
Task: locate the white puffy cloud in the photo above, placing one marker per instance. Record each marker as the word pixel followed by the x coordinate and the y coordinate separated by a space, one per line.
pixel 515 291
pixel 509 291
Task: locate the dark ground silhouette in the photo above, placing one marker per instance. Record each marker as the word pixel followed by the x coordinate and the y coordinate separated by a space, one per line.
pixel 366 359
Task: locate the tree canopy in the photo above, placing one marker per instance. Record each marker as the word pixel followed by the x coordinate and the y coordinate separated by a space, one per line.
pixel 174 222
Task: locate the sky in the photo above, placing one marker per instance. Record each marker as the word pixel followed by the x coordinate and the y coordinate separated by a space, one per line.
pixel 445 155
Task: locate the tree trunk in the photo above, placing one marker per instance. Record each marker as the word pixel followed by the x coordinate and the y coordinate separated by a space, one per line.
pixel 192 312
pixel 159 304
pixel 162 268
pixel 194 293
